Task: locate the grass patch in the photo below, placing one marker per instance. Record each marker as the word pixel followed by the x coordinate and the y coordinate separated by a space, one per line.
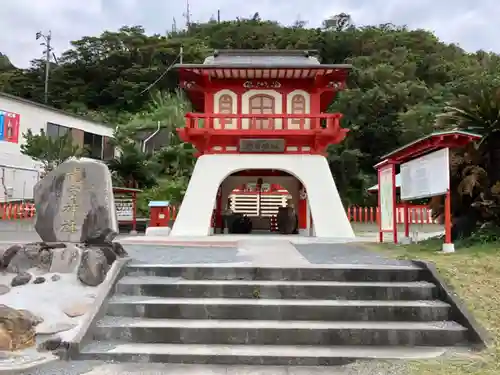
pixel 474 272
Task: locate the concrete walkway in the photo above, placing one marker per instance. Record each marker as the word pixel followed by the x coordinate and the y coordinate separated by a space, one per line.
pixel 260 252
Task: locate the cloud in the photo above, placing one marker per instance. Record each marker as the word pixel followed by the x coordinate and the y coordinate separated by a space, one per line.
pixel 473 25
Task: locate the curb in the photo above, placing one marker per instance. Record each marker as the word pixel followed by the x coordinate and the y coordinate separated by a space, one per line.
pixel 28 365
pixel 479 336
pixel 71 349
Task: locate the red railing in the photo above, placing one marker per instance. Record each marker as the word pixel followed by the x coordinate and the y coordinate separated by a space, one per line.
pixel 418 214
pixel 263 121
pixel 17 211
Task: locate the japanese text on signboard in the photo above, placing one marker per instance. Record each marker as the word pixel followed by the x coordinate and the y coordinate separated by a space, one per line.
pixel 262 145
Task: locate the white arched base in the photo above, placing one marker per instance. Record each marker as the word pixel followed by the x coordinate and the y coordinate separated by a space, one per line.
pixel 328 214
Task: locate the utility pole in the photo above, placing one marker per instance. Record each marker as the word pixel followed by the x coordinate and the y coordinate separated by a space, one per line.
pixel 48 50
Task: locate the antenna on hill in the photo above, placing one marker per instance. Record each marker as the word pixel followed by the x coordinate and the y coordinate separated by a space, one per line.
pixel 48 53
pixel 187 15
pixel 174 25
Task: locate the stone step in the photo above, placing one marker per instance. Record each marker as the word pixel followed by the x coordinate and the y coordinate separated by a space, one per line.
pixel 157 286
pixel 279 332
pixel 277 309
pixel 284 355
pixel 353 272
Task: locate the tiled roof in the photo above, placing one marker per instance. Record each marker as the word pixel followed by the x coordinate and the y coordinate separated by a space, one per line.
pixel 261 57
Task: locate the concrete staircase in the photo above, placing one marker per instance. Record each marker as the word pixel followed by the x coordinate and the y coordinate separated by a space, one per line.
pixel 273 316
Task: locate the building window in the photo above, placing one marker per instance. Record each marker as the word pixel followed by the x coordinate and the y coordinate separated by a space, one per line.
pixel 298 108
pixel 226 107
pixel 108 152
pixel 262 104
pixel 93 143
pixel 56 131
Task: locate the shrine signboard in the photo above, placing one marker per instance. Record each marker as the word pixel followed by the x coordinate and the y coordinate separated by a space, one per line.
pixel 262 145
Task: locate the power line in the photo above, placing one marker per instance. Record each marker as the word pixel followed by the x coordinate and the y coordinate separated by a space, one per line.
pixel 163 74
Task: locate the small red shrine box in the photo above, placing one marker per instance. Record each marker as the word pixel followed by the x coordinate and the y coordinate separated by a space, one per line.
pixel 159 213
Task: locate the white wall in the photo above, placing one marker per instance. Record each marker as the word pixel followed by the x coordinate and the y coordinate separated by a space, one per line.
pixel 20 172
pixel 35 117
pixel 329 216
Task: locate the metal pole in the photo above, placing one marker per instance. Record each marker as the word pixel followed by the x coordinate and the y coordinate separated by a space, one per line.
pixel 47 66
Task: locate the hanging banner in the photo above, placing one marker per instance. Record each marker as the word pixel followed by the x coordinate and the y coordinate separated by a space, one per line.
pixel 11 122
pixel 386 198
pixel 1 126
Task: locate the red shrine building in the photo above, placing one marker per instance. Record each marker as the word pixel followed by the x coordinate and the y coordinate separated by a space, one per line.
pixel 259 117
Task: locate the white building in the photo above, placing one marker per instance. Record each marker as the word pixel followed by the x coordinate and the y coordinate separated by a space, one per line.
pixel 19 173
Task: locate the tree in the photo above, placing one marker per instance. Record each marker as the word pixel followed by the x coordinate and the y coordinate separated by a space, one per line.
pixel 474 172
pixel 132 168
pixel 50 151
pixel 402 79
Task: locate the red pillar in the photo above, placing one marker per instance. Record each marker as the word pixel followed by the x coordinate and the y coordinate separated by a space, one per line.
pixel 406 208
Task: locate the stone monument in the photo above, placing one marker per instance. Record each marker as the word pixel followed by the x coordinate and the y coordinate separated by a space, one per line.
pixel 75 203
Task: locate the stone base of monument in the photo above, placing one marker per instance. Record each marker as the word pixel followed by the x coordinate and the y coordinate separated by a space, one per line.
pixel 54 281
pixel 46 293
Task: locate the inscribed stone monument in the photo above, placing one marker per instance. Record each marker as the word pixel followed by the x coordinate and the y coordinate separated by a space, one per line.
pixel 75 203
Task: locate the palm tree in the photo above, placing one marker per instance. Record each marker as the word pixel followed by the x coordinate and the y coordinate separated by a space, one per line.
pixel 474 171
pixel 479 113
pixel 132 168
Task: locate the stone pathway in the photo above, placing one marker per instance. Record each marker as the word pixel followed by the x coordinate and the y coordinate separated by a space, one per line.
pixel 261 252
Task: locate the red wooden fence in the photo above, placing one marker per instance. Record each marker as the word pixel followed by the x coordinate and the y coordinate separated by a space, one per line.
pixel 418 214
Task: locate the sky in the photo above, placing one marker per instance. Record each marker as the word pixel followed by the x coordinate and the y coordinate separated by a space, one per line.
pixel 471 24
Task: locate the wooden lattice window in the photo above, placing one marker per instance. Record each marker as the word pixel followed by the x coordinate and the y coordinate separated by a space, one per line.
pixel 226 107
pixel 262 104
pixel 298 108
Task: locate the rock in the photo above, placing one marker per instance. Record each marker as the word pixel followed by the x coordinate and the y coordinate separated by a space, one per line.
pixel 93 267
pixel 77 309
pixel 53 245
pixel 119 250
pixel 45 259
pixel 34 319
pixel 65 260
pixel 112 251
pixel 50 344
pixel 4 289
pixel 47 328
pixel 75 203
pixel 55 277
pixel 7 254
pixel 27 256
pixel 17 330
pixel 100 237
pixel 39 280
pixel 21 279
